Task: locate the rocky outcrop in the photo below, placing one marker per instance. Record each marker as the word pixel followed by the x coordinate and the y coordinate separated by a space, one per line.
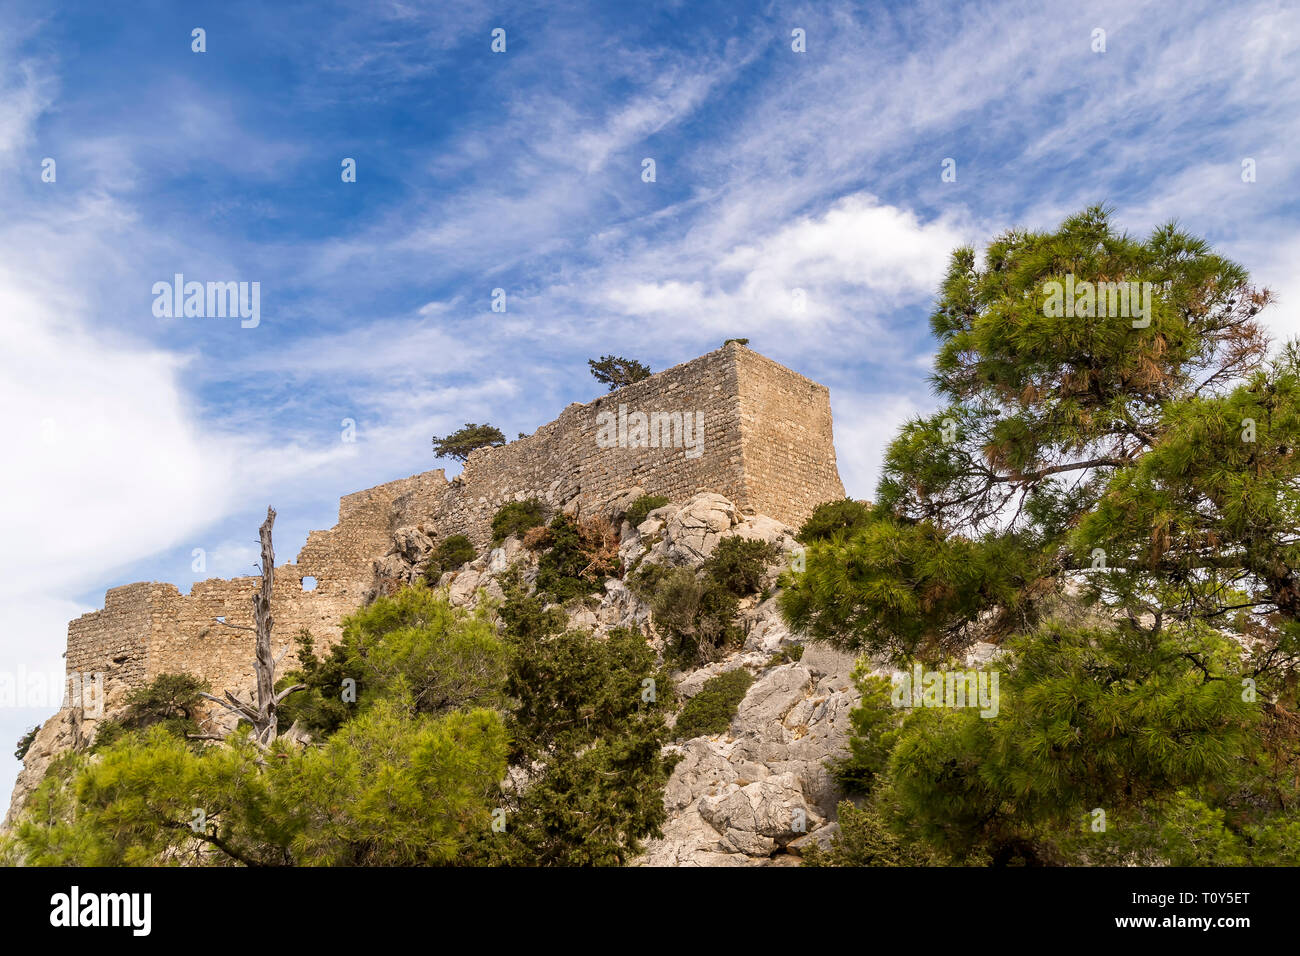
pixel 760 792
pixel 754 795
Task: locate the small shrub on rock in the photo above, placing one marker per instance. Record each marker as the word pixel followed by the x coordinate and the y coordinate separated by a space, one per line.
pixel 711 710
pixel 738 564
pixel 517 517
pixel 579 558
pixel 170 701
pixel 638 509
pixel 865 839
pixel 25 742
pixel 696 614
pixel 524 615
pixel 450 554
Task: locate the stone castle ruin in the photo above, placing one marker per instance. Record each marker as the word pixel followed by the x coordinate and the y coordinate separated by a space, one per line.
pixel 766 446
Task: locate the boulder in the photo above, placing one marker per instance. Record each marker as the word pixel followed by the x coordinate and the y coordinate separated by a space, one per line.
pixel 621 608
pixel 703 767
pixel 693 532
pixel 765 631
pixel 463 586
pixel 395 568
pixel 821 838
pixel 772 697
pixel 582 618
pixel 761 816
pixel 412 545
pixel 765 529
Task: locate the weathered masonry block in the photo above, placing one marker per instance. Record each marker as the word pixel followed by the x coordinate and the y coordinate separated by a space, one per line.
pixel 766 444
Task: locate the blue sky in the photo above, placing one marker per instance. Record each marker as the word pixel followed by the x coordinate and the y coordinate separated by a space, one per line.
pixel 136 439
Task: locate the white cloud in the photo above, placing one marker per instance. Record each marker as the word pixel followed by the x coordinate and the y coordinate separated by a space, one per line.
pixel 849 269
pixel 876 248
pixel 106 463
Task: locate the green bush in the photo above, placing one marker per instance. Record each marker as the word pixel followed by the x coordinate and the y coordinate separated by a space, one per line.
pixel 696 614
pixel 865 839
pixel 738 564
pixel 106 734
pixel 579 558
pixel 875 722
pixel 637 510
pixel 414 648
pixel 710 711
pixel 389 790
pixel 834 517
pixel 169 701
pixel 591 739
pixel 559 570
pixel 449 555
pixel 516 517
pixel 524 616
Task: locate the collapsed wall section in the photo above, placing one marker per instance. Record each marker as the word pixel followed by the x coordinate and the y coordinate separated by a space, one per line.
pixel 151 628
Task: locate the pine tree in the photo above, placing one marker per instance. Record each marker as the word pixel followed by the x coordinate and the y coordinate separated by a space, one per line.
pixel 462 442
pixel 1115 499
pixel 616 371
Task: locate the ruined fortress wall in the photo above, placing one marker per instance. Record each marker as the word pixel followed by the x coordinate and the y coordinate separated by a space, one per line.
pixel 766 445
pixel 563 462
pixel 113 641
pixel 149 629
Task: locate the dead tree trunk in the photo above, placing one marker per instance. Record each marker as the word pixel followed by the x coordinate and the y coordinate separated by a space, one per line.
pixel 261 711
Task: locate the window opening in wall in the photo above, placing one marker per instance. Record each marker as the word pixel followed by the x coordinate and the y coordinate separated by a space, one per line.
pixel 309 583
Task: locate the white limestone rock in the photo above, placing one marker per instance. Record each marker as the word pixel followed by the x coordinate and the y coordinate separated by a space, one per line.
pixel 693 532
pixel 621 608
pixel 463 586
pixel 772 697
pixel 412 545
pixel 765 529
pixel 761 816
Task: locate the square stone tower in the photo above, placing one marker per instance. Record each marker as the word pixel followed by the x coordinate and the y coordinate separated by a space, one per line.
pixel 754 431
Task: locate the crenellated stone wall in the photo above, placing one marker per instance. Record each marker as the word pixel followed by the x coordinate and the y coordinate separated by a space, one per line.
pixel 149 629
pixel 767 445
